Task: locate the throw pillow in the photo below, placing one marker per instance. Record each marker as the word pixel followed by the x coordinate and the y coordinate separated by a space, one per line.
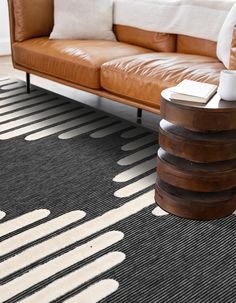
pixel 225 37
pixel 83 19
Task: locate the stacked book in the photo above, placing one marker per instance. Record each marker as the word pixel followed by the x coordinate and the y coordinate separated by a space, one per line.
pixel 193 91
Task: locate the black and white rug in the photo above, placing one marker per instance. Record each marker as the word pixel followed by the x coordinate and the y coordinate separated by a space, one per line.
pixel 78 218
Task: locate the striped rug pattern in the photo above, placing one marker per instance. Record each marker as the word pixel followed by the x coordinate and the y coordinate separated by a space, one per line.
pixel 78 217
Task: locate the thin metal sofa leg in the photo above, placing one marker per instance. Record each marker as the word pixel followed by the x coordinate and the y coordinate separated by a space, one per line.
pixel 28 83
pixel 139 113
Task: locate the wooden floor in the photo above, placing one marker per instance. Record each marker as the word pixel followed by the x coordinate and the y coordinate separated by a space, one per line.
pixel 126 112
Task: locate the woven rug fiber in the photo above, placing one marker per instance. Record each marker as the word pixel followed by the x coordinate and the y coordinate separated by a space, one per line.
pixel 78 221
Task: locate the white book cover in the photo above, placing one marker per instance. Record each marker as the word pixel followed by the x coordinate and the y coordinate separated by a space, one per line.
pixel 193 91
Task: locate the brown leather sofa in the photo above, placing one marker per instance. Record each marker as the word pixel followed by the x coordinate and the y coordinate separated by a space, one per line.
pixel 132 70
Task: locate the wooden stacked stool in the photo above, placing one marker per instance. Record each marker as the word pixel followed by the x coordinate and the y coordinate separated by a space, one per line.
pixel 196 163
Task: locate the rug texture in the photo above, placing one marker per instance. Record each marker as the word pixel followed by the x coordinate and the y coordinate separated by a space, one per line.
pixel 78 218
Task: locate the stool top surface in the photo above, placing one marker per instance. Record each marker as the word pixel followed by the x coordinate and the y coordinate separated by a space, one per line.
pixel 214 104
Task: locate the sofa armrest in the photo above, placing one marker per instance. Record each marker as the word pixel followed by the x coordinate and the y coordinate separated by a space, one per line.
pixel 30 19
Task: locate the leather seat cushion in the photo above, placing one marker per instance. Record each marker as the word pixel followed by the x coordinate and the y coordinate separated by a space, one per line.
pixel 76 61
pixel 143 77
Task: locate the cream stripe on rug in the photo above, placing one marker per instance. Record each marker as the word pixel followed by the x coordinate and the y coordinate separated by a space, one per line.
pixel 41 250
pixel 87 128
pixel 29 110
pixel 133 133
pixel 19 98
pixel 33 118
pixel 139 143
pixel 158 212
pixel 59 128
pixel 12 93
pixel 48 122
pixel 138 156
pixel 95 292
pixel 12 86
pixel 58 264
pixel 2 215
pixel 6 82
pixel 12 225
pixel 136 171
pixel 63 285
pixel 110 130
pixel 39 231
pixel 51 101
pixel 136 187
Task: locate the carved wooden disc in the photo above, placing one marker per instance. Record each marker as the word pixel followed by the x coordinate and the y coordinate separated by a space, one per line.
pixel 212 177
pixel 216 115
pixel 194 205
pixel 197 147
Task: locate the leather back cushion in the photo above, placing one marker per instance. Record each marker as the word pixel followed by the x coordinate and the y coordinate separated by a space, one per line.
pixel 196 46
pixel 156 41
pixel 33 18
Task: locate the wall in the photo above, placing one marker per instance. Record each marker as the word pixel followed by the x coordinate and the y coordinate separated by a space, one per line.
pixel 4 29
